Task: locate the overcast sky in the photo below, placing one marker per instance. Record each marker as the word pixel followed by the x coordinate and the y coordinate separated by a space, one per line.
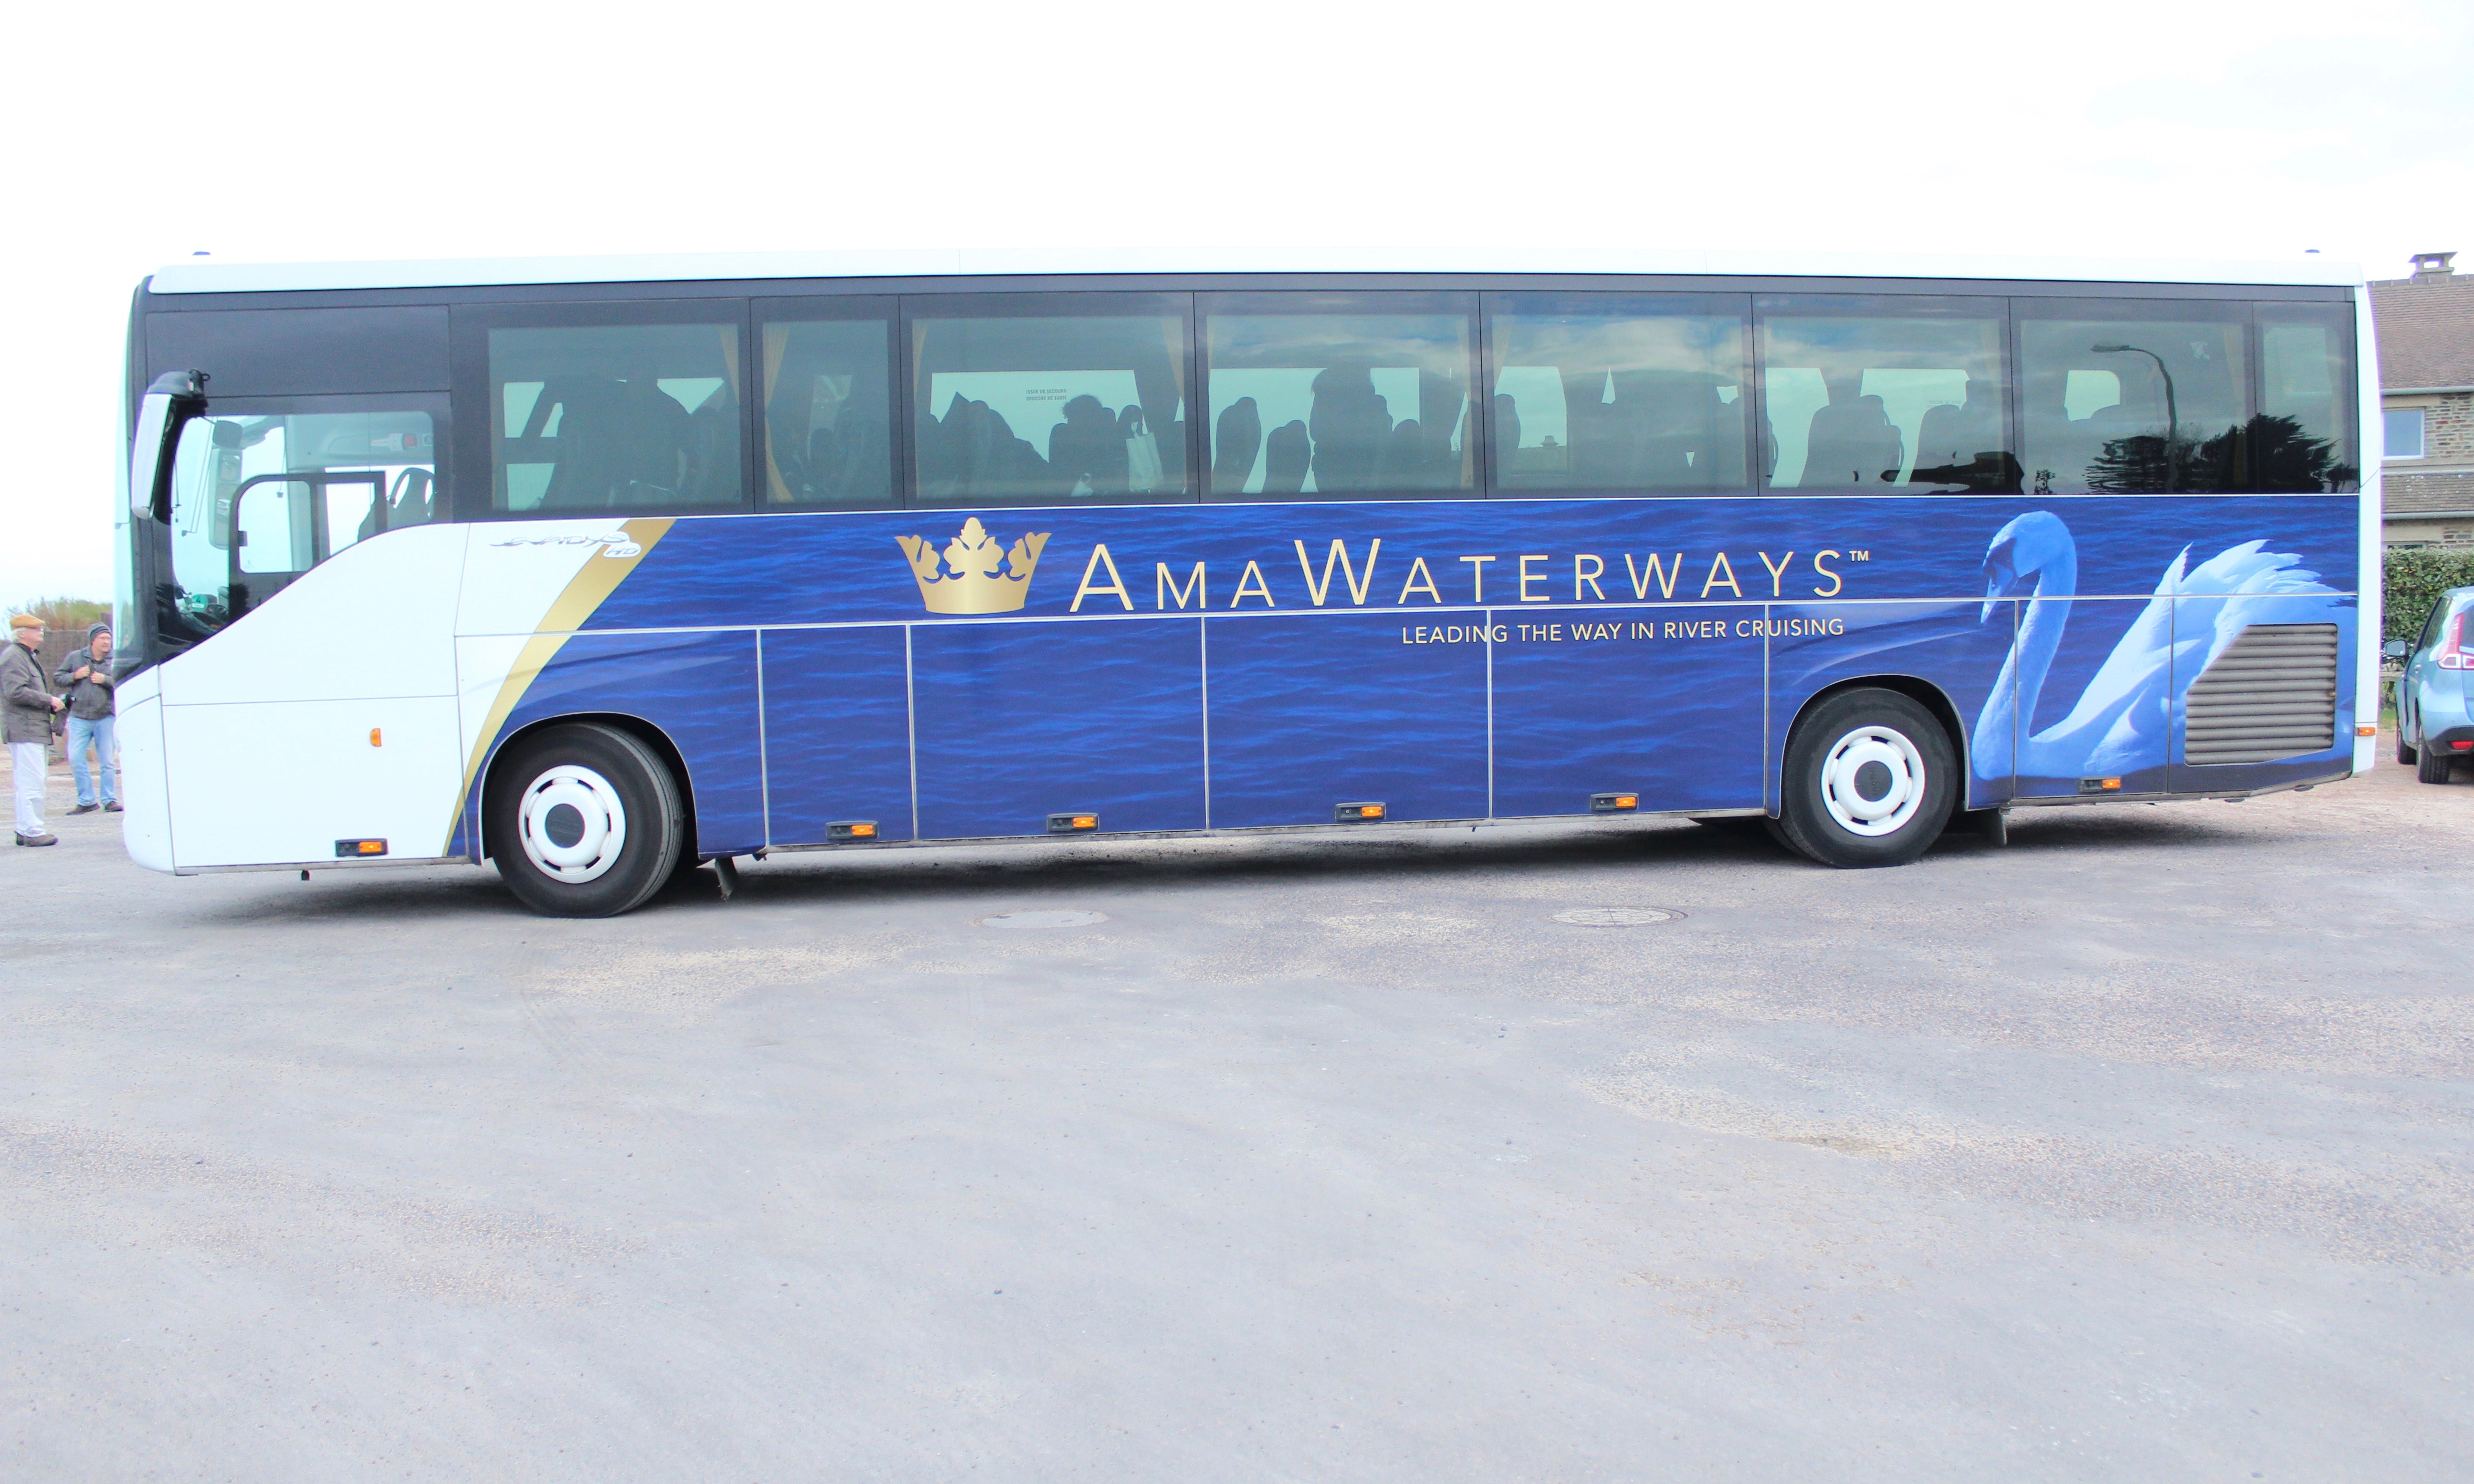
pixel 140 133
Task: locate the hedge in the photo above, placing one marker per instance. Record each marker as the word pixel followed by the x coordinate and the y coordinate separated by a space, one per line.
pixel 2413 581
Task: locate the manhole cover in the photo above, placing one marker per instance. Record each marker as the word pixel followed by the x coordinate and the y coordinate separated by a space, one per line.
pixel 1047 919
pixel 1616 916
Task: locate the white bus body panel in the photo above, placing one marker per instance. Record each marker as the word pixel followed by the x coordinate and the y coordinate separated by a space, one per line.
pixel 2371 580
pixel 374 620
pixel 146 818
pixel 278 783
pixel 266 728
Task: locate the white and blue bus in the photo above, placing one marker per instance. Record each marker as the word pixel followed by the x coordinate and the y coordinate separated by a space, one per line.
pixel 599 569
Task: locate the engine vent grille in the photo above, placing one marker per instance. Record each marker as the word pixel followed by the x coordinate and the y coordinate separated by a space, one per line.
pixel 2270 694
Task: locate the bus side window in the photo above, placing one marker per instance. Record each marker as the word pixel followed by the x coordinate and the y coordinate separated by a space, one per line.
pixel 614 417
pixel 2146 396
pixel 1043 399
pixel 828 434
pixel 1327 396
pixel 1614 394
pixel 2303 438
pixel 1867 395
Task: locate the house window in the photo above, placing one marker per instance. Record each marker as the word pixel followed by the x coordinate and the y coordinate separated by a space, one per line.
pixel 2404 428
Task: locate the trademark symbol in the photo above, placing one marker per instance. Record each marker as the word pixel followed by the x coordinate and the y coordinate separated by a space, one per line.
pixel 1859 556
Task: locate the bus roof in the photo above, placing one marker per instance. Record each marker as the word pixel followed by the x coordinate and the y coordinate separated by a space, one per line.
pixel 203 275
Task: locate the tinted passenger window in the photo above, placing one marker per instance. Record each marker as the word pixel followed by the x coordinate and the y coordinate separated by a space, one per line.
pixel 828 420
pixel 614 417
pixel 1039 406
pixel 1331 396
pixel 2125 395
pixel 1614 393
pixel 2303 438
pixel 1864 395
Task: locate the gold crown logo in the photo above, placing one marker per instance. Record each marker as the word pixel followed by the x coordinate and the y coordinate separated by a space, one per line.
pixel 974 574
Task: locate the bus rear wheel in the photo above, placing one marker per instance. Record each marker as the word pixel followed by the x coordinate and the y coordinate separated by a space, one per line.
pixel 584 821
pixel 1869 780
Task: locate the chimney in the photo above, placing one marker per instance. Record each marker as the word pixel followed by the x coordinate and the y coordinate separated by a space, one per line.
pixel 2433 265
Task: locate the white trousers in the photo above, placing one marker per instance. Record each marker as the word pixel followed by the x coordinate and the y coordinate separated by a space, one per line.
pixel 29 762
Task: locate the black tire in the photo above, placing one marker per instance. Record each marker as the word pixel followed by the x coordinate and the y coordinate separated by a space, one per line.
pixel 584 770
pixel 2432 766
pixel 2404 754
pixel 1860 751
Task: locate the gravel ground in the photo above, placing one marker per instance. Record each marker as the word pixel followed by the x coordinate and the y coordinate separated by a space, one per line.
pixel 2140 1149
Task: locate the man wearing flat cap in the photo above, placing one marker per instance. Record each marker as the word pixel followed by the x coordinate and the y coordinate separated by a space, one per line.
pixel 26 711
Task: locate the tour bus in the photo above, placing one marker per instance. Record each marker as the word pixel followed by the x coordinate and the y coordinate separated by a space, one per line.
pixel 601 569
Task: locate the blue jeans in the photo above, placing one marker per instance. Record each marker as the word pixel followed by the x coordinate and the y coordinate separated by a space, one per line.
pixel 96 734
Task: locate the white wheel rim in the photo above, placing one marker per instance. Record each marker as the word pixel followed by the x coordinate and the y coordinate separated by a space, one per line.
pixel 593 802
pixel 1843 774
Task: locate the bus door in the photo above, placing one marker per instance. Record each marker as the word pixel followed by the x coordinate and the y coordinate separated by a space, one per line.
pixel 282 524
pixel 325 727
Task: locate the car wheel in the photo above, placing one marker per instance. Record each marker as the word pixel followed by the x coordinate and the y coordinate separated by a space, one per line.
pixel 2405 753
pixel 2432 766
pixel 1869 779
pixel 584 821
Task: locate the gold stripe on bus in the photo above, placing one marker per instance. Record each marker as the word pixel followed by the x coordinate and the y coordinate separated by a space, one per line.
pixel 595 581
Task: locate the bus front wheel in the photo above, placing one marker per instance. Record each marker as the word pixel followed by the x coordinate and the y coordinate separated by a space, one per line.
pixel 584 821
pixel 1869 780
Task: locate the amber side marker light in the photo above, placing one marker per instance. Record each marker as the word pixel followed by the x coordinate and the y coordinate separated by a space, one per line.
pixel 2367 731
pixel 2100 786
pixel 842 832
pixel 1072 823
pixel 1613 803
pixel 353 849
pixel 1352 814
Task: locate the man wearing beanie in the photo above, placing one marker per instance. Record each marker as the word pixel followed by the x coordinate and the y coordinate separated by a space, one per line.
pixel 85 681
pixel 26 712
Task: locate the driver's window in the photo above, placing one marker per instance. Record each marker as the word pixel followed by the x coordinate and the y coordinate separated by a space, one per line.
pixel 235 511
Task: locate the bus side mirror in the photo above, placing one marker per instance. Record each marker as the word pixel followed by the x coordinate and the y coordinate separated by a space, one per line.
pixel 175 398
pixel 2396 649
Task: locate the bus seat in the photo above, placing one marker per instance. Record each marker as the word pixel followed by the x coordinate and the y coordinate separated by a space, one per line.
pixel 1405 457
pixel 1349 425
pixel 1954 434
pixel 1287 454
pixel 613 437
pixel 1850 443
pixel 1088 446
pixel 1237 440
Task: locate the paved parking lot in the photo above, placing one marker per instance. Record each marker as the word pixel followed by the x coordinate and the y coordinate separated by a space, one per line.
pixel 2140 1149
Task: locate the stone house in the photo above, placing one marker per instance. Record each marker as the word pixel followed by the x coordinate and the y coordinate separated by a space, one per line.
pixel 2425 326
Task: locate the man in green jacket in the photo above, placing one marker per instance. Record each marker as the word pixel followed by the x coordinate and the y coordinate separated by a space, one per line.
pixel 26 711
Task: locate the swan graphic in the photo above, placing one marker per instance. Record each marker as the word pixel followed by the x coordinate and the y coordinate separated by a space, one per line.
pixel 2125 717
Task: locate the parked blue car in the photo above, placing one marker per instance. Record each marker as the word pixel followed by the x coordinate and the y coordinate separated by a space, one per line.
pixel 2435 697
